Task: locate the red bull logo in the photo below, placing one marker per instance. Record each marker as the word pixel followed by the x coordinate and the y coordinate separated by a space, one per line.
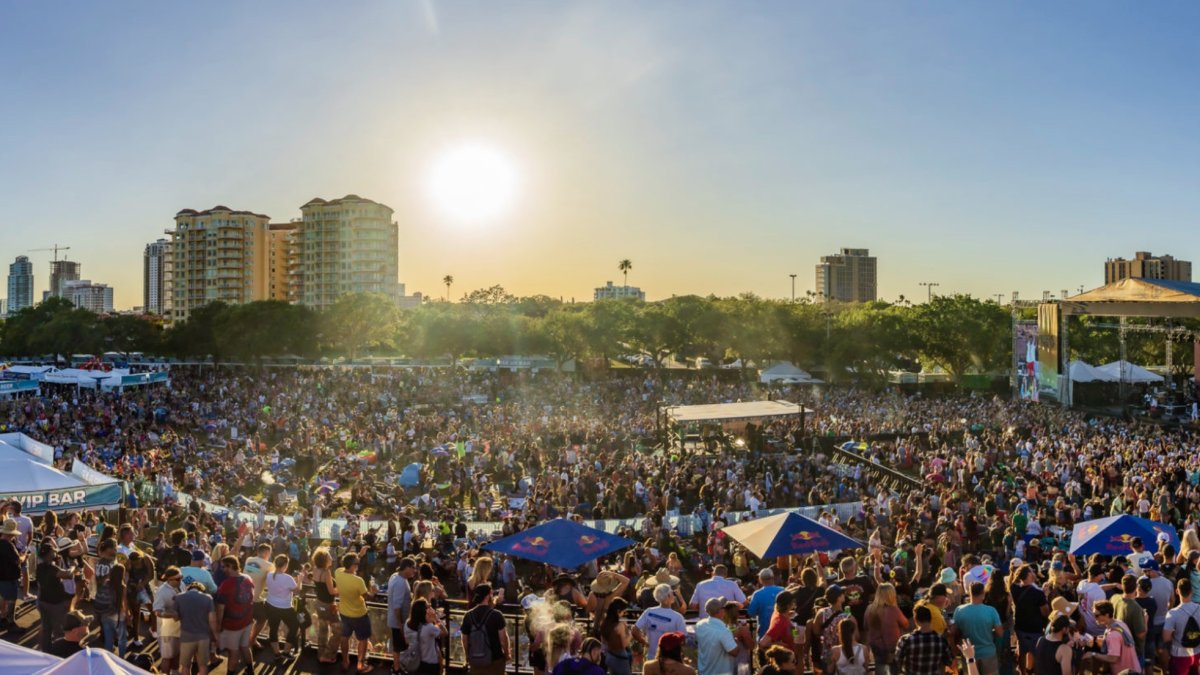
pixel 806 539
pixel 536 545
pixel 591 544
pixel 1123 538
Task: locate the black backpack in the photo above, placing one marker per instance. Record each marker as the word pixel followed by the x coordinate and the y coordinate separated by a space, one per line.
pixel 1191 634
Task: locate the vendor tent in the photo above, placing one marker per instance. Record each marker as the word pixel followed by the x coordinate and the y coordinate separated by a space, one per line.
pixel 40 488
pixel 1083 372
pixel 17 659
pixel 786 373
pixel 1130 373
pixel 91 661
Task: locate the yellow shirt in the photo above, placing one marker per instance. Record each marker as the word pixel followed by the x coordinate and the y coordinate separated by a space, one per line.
pixel 351 590
pixel 939 620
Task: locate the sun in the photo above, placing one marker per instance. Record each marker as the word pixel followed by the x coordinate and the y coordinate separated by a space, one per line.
pixel 473 182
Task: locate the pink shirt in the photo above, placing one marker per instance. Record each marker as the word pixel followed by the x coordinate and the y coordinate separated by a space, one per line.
pixel 1126 655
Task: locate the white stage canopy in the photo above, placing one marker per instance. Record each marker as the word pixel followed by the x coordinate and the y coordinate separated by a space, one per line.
pixel 1133 373
pixel 713 412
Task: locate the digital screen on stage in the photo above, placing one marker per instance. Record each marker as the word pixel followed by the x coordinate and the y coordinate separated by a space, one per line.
pixel 1026 359
pixel 1047 351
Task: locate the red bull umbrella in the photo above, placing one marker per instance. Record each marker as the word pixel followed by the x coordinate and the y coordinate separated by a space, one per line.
pixel 1112 536
pixel 561 543
pixel 788 534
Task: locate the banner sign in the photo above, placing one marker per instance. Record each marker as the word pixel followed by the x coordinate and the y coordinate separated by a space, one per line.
pixel 143 378
pixel 81 497
pixel 89 475
pixel 42 452
pixel 1049 360
pixel 17 386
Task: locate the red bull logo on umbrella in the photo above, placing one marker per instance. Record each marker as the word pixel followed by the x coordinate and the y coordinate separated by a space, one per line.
pixel 805 538
pixel 534 545
pixel 591 544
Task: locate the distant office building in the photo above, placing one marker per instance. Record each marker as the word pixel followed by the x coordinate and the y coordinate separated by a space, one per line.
pixel 347 245
pixel 61 271
pixel 20 285
pixel 405 301
pixel 283 273
pixel 848 276
pixel 157 267
pixel 1146 266
pixel 88 295
pixel 610 292
pixel 4 307
pixel 219 255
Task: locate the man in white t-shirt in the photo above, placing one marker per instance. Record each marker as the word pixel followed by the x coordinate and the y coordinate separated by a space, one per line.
pixel 257 567
pixel 657 621
pixel 716 587
pixel 1140 556
pixel 1090 593
pixel 169 628
pixel 1183 659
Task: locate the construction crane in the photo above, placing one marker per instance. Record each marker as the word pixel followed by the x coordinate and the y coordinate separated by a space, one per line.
pixel 56 248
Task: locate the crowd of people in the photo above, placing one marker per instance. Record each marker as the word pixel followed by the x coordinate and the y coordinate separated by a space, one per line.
pixel 966 566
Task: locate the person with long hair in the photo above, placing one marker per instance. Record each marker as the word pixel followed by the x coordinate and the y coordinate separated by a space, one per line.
pixel 669 659
pixel 1189 541
pixel 281 590
pixel 885 624
pixel 424 632
pixel 109 606
pixel 996 595
pixel 327 620
pixel 616 638
pixel 849 657
pixel 481 573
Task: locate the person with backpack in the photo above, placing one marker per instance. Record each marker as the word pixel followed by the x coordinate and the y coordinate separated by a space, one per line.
pixel 484 637
pixel 1181 632
pixel 423 633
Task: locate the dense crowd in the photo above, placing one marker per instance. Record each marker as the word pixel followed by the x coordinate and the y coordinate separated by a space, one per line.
pixel 966 567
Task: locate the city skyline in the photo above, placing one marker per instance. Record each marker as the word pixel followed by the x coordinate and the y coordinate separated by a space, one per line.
pixel 1015 137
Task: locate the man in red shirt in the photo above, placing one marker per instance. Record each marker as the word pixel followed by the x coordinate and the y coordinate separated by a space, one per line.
pixel 781 631
pixel 235 613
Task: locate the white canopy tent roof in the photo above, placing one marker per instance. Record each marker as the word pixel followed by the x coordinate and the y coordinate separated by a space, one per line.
pixel 785 371
pixel 1083 372
pixel 17 659
pixel 1132 373
pixel 733 411
pixel 91 661
pixel 21 472
pixel 77 376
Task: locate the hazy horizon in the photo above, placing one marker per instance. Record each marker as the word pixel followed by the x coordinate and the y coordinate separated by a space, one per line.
pixel 719 146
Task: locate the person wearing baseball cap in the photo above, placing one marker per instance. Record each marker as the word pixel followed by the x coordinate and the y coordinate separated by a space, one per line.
pixel 196 571
pixel 75 628
pixel 716 647
pixel 669 656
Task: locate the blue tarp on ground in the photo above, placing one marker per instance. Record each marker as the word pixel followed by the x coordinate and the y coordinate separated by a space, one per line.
pixel 562 543
pixel 411 475
pixel 1111 536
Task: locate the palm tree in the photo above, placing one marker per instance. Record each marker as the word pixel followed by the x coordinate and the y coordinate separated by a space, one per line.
pixel 625 266
pixel 448 279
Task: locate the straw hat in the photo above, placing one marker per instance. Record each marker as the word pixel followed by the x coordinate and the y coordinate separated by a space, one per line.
pixel 663 576
pixel 1061 605
pixel 605 584
pixel 9 527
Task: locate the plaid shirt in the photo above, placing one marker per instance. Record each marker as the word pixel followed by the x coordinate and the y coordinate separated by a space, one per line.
pixel 920 653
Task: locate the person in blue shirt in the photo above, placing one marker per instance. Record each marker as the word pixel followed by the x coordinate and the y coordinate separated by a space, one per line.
pixel 979 623
pixel 762 602
pixel 196 572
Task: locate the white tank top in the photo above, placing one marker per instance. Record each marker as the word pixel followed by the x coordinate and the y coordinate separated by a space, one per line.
pixel 857 667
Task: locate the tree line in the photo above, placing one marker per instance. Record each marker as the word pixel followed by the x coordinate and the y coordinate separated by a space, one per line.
pixel 959 333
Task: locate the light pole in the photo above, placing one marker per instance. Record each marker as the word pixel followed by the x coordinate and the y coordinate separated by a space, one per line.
pixel 793 276
pixel 999 298
pixel 929 289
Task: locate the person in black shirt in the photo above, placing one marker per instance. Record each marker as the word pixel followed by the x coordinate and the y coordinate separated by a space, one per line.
pixel 75 629
pixel 53 599
pixel 176 555
pixel 10 571
pixel 1030 611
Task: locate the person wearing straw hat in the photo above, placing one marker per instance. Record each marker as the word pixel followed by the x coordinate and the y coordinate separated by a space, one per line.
pixel 606 586
pixel 10 571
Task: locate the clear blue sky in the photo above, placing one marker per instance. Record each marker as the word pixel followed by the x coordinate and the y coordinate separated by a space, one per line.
pixel 990 147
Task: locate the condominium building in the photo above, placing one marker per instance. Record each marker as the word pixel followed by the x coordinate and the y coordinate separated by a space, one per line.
pixel 1146 266
pixel 219 255
pixel 157 266
pixel 611 292
pixel 88 295
pixel 283 274
pixel 61 271
pixel 848 276
pixel 347 245
pixel 20 285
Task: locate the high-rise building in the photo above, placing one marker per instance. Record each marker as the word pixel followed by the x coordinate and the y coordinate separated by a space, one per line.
pixel 61 271
pixel 88 295
pixel 611 292
pixel 1146 266
pixel 20 284
pixel 347 245
pixel 157 266
pixel 219 255
pixel 848 276
pixel 284 265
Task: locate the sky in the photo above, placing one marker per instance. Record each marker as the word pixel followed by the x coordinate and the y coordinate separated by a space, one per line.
pixel 720 146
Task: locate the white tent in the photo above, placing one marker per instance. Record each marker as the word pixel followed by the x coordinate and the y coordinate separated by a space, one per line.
pixel 17 659
pixel 20 472
pixel 91 661
pixel 787 373
pixel 1083 372
pixel 76 376
pixel 1133 373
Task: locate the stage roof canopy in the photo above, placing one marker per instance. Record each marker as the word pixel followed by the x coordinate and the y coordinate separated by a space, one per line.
pixel 713 412
pixel 1138 297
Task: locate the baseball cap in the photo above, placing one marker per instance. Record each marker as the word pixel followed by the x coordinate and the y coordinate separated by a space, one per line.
pixel 197 555
pixel 714 605
pixel 670 641
pixel 1151 564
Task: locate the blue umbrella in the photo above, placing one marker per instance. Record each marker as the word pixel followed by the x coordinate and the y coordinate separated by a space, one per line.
pixel 788 534
pixel 1111 536
pixel 561 543
pixel 411 475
